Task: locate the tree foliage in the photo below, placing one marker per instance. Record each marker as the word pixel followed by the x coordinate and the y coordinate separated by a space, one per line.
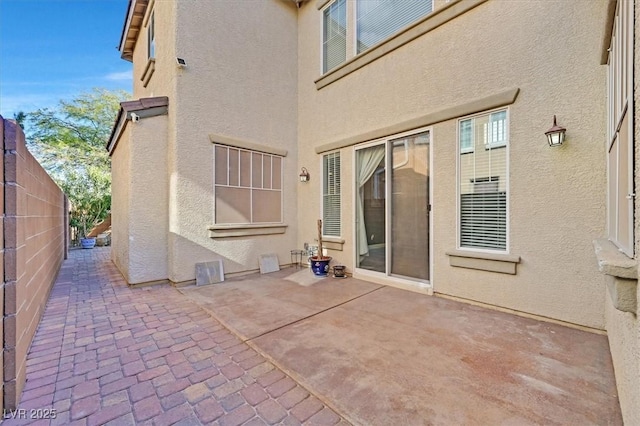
pixel 69 141
pixel 20 117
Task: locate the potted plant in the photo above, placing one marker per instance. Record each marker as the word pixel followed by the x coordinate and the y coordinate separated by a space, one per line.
pixel 90 201
pixel 81 223
pixel 320 263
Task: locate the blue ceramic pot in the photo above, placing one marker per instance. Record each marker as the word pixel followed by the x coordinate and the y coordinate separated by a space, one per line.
pixel 87 243
pixel 320 268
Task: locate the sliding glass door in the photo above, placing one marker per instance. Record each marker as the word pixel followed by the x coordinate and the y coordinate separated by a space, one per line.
pixel 392 207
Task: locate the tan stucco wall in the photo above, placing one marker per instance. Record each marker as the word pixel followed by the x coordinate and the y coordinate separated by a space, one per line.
pixel 148 235
pixel 623 330
pixel 239 82
pixel 33 252
pixel 140 206
pixel 556 205
pixel 121 186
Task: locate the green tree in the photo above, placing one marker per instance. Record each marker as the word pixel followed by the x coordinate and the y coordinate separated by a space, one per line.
pixel 69 141
pixel 20 117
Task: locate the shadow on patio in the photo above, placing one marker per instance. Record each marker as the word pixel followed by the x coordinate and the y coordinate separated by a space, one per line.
pixel 380 355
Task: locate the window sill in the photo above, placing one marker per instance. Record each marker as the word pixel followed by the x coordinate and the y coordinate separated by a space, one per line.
pixel 492 262
pixel 333 243
pixel 227 231
pixel 621 275
pixel 148 72
pixel 427 24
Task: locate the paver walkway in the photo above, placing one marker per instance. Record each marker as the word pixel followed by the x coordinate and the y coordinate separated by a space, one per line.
pixel 105 353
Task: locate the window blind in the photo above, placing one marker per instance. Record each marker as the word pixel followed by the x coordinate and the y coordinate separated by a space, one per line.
pixel 334 38
pixel 331 195
pixel 379 19
pixel 483 182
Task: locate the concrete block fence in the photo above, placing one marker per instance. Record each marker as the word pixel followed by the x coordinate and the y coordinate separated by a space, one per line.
pixel 33 244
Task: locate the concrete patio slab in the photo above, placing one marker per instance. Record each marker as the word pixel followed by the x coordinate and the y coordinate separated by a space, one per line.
pixel 257 304
pixel 380 355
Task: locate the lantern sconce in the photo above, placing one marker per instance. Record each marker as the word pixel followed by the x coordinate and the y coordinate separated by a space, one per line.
pixel 304 175
pixel 555 135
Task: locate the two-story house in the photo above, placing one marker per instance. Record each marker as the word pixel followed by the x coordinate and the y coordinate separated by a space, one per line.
pixel 421 125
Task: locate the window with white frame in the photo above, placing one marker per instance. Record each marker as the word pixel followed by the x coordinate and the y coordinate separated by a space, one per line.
pixel 376 20
pixel 151 37
pixel 331 194
pixel 248 186
pixel 620 143
pixel 482 181
pixel 334 35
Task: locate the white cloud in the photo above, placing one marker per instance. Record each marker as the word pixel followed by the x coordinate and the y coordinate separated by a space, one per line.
pixel 119 76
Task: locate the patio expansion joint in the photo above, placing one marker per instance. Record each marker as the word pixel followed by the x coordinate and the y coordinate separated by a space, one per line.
pixel 296 377
pixel 249 339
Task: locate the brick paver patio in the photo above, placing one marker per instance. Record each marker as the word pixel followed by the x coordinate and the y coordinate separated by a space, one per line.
pixel 105 353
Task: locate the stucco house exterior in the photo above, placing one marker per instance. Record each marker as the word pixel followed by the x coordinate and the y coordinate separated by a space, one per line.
pixel 422 127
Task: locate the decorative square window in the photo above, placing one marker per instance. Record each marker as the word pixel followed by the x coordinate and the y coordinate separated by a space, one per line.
pixel 248 186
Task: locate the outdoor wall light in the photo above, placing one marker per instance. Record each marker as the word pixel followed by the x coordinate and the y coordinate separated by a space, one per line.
pixel 555 135
pixel 304 175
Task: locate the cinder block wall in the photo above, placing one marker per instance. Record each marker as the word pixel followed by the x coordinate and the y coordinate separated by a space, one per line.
pixel 33 226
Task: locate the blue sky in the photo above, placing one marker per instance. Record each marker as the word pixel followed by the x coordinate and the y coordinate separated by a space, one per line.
pixel 56 49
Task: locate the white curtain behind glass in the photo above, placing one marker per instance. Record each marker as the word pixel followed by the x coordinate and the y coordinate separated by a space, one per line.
pixel 367 162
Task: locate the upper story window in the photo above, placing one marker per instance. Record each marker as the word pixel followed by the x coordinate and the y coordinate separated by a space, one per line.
pixel 331 194
pixel 620 142
pixel 482 181
pixel 378 19
pixel 248 186
pixel 334 35
pixel 151 37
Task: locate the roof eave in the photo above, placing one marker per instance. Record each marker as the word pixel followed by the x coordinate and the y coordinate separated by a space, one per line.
pixel 143 108
pixel 131 29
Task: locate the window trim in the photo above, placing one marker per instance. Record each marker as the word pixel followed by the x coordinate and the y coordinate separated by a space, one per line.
pixel 438 17
pixel 621 52
pixel 459 154
pixel 354 22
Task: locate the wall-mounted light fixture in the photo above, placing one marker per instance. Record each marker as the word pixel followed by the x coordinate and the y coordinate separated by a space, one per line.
pixel 555 135
pixel 304 175
pixel 181 63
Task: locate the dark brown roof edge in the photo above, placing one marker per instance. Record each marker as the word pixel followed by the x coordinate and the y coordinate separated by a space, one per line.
pixel 146 107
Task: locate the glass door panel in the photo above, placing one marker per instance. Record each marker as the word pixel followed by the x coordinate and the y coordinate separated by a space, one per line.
pixel 370 208
pixel 409 207
pixel 392 207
